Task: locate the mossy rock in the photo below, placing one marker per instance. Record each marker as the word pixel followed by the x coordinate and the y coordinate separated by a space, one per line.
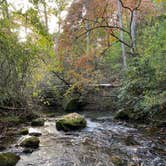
pixel 24 131
pixel 8 159
pixel 132 115
pixel 122 114
pixel 31 142
pixel 117 161
pixel 73 121
pixel 37 122
pixel 131 163
pixel 72 105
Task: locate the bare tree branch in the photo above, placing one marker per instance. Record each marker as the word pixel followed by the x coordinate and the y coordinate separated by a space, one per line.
pixel 59 77
pixel 112 34
pixel 132 11
pixel 125 7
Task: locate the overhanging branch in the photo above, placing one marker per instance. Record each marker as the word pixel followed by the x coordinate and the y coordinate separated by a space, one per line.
pixel 112 34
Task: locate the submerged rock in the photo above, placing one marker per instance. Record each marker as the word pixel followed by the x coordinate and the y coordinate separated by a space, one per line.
pixel 28 150
pixel 37 122
pixel 31 142
pixel 24 131
pixel 71 121
pixel 2 147
pixel 8 159
pixel 130 141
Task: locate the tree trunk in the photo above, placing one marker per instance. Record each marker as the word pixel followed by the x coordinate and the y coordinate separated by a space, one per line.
pixel 133 31
pixel 87 26
pixel 122 35
pixel 87 36
pixel 45 15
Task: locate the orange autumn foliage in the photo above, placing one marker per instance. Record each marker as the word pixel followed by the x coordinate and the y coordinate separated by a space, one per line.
pixel 79 64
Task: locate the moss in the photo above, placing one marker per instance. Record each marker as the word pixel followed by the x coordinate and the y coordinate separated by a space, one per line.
pixel 71 121
pixel 24 131
pixel 31 142
pixel 8 159
pixel 37 122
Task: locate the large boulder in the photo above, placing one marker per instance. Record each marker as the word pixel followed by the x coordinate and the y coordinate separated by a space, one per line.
pixel 37 122
pixel 31 142
pixel 8 159
pixel 73 121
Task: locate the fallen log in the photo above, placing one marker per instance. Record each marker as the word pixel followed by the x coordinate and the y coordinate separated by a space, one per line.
pixel 11 108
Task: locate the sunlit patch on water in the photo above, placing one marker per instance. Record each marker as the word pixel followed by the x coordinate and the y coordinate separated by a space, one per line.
pixel 92 125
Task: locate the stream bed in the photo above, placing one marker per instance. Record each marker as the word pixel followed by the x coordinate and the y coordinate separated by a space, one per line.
pixel 104 142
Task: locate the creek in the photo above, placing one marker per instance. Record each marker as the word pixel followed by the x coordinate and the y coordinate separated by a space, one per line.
pixel 104 142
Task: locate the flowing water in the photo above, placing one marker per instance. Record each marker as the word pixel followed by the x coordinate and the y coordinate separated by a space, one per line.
pixel 104 142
